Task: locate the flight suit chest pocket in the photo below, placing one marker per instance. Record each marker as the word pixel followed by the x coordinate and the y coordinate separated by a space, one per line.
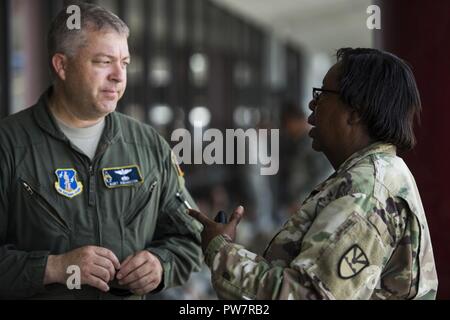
pixel 139 219
pixel 41 208
pixel 140 202
pixel 39 222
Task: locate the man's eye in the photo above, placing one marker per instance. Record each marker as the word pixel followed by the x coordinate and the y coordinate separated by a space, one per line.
pixel 103 62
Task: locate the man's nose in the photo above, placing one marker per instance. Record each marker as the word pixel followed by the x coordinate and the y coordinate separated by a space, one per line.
pixel 118 73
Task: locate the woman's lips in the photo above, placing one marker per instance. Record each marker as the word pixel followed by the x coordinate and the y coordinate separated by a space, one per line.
pixel 311 120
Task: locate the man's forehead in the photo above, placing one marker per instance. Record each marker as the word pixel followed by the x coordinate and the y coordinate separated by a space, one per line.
pixel 109 41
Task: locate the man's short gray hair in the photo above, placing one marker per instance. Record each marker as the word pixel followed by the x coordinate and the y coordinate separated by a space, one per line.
pixel 61 39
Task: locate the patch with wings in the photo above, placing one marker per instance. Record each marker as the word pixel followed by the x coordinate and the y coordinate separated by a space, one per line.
pixel 122 176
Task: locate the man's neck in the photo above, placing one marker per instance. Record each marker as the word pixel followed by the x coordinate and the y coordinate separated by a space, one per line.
pixel 62 109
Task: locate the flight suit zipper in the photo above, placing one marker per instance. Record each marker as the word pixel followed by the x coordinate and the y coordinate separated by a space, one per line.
pixel 152 186
pixel 91 174
pixel 131 218
pixel 92 169
pixel 46 206
pixel 91 192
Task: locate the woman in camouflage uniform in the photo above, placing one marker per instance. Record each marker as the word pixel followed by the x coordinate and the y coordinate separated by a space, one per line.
pixel 362 233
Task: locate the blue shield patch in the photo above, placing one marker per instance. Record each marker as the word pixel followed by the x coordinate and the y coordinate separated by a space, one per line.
pixel 122 176
pixel 67 183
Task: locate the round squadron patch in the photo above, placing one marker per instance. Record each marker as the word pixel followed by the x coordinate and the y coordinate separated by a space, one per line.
pixel 352 262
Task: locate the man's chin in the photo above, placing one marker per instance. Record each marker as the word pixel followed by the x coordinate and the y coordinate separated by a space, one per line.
pixel 107 107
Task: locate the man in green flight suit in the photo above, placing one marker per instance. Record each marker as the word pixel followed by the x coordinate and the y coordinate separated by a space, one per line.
pixel 85 188
pixel 362 233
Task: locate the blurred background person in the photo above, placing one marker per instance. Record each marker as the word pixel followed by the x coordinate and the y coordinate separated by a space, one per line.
pixel 301 168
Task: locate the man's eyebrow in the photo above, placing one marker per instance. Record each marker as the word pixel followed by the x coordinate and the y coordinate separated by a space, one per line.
pixel 98 55
pixel 103 55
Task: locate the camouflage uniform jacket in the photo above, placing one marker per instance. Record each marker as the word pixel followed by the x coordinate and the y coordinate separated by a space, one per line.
pixel 361 234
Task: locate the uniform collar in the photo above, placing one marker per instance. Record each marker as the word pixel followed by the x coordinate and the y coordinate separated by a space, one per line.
pixel 47 121
pixel 377 147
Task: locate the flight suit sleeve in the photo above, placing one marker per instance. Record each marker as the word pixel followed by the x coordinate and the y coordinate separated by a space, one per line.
pixel 177 235
pixel 341 257
pixel 21 273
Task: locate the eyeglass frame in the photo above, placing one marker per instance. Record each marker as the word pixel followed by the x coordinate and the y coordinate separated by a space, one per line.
pixel 316 98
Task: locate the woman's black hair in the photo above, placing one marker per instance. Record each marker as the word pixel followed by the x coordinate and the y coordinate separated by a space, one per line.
pixel 382 89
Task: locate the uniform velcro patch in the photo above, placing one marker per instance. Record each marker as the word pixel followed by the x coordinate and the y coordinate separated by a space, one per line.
pixel 352 262
pixel 122 176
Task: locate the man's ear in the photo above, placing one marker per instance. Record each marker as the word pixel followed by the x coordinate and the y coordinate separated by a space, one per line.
pixel 354 118
pixel 59 64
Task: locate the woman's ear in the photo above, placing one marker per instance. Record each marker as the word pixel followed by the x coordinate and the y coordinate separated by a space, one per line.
pixel 59 64
pixel 354 118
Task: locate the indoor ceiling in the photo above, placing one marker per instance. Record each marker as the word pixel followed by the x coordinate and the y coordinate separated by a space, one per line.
pixel 315 25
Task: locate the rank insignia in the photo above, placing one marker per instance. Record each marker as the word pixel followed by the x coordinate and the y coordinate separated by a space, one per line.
pixel 352 262
pixel 67 183
pixel 122 176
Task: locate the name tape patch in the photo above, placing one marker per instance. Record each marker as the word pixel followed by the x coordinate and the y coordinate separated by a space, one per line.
pixel 122 176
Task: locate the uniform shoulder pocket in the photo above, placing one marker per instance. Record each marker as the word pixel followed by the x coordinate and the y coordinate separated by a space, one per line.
pixel 177 212
pixel 350 263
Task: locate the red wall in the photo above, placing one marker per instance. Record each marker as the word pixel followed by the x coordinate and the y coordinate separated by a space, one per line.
pixel 419 32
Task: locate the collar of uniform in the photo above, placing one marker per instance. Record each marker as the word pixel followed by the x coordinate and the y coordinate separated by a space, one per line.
pixel 112 131
pixel 377 147
pixel 44 117
pixel 47 122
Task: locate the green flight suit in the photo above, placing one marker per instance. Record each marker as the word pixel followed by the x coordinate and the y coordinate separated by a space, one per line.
pixel 54 199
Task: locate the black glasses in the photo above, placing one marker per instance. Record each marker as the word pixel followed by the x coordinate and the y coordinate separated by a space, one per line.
pixel 316 92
